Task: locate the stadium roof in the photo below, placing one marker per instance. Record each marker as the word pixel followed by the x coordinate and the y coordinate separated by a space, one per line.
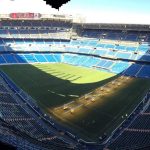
pixel 95 11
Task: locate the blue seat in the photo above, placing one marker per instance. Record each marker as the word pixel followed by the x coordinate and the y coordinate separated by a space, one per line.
pixel 133 70
pixel 124 55
pixel 49 57
pixel 20 58
pixel 2 61
pixel 144 72
pixel 119 67
pixel 9 58
pixel 30 58
pixel 40 58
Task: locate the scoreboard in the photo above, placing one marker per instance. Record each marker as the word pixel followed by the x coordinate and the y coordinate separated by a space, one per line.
pixel 25 15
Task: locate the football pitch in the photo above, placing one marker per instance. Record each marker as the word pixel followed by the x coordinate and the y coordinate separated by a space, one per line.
pixel 54 86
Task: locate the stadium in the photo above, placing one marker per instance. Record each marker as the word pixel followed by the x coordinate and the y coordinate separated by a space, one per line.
pixel 70 85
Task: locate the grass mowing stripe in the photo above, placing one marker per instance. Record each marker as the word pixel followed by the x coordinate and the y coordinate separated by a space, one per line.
pixel 52 85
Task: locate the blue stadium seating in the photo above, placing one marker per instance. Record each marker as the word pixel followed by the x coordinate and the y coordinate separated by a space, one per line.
pixel 2 60
pixel 9 58
pixel 100 52
pixel 118 67
pixel 131 48
pixel 108 64
pixel 102 62
pixel 20 58
pixel 57 57
pixel 14 33
pixel 21 117
pixel 2 48
pixel 49 58
pixel 120 47
pixel 24 113
pixel 30 58
pixel 143 48
pixel 133 70
pixel 3 33
pixel 124 55
pixel 84 50
pixel 110 53
pixel 40 58
pixel 110 46
pixel 131 37
pixel 134 133
pixel 144 71
pixel 92 43
pixel 100 45
pixel 145 57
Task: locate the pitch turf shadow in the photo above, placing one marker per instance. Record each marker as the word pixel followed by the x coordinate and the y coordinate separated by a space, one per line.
pixel 49 89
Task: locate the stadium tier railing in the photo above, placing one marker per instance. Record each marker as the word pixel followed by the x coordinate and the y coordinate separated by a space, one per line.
pixel 32 104
pixel 142 106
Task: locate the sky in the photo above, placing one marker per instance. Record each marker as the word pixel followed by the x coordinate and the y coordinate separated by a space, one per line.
pixel 95 11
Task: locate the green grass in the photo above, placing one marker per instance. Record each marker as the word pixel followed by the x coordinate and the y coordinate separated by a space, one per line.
pixel 53 85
